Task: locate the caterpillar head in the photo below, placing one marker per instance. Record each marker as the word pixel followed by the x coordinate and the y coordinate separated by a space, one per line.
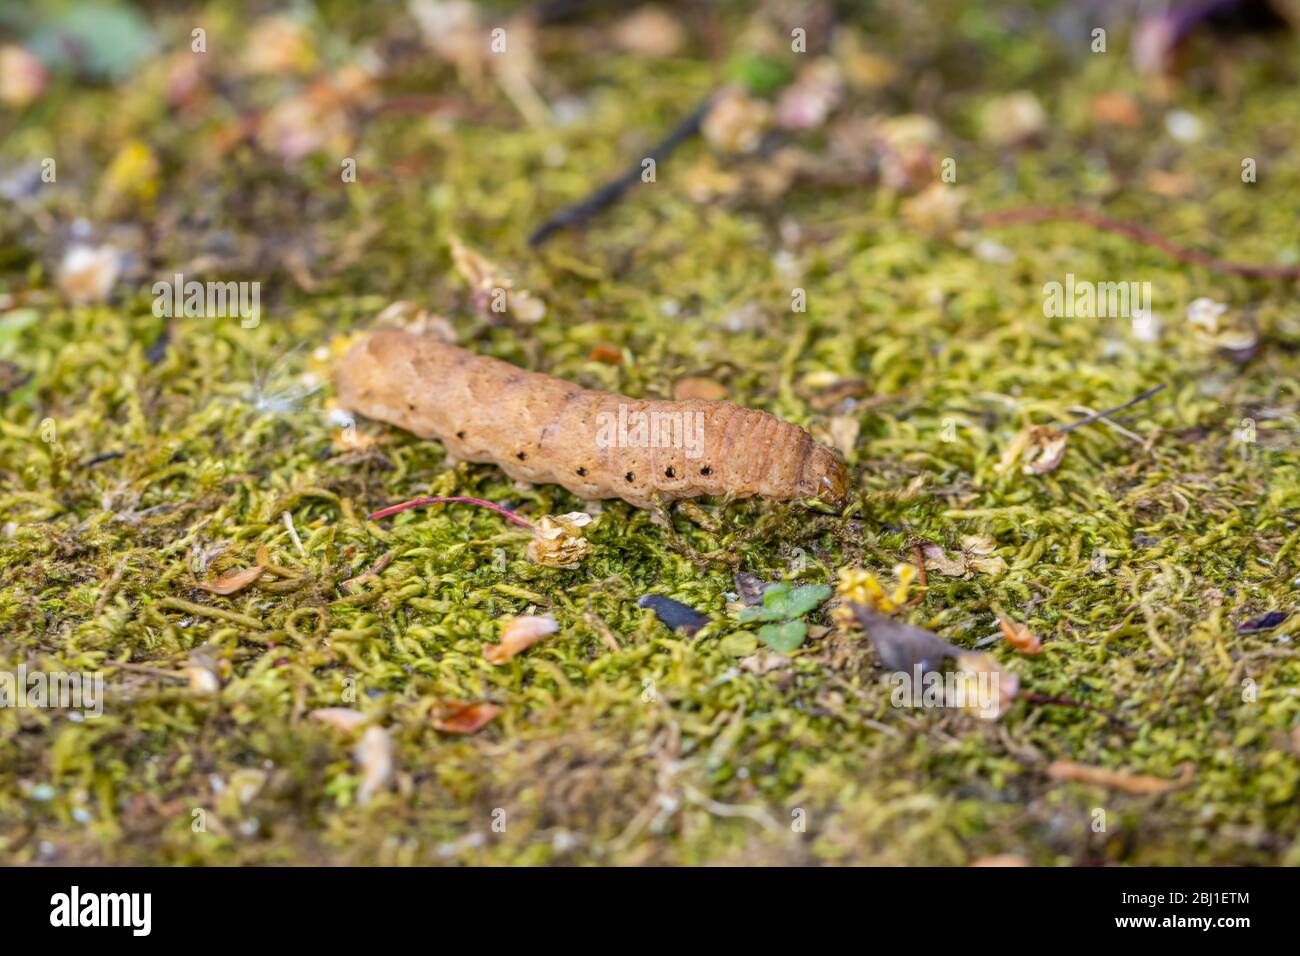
pixel 824 476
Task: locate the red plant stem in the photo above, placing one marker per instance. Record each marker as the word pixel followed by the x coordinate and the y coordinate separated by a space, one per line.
pixel 1138 233
pixel 421 502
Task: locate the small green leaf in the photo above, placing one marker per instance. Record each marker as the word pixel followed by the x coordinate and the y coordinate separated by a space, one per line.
pixel 783 637
pixel 776 600
pixel 806 597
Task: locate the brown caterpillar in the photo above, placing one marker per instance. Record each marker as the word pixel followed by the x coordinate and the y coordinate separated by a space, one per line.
pixel 541 429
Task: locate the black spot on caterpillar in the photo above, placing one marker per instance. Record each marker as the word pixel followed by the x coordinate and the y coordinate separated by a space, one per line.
pixel 542 429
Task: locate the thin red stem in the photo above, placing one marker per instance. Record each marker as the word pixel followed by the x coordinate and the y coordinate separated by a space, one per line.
pixel 1138 233
pixel 421 502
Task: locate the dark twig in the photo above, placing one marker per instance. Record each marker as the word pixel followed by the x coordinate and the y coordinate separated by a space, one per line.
pixel 609 193
pixel 1106 413
pixel 1070 702
pixel 1131 230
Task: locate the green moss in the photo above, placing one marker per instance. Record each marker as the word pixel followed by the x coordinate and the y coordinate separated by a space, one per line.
pixel 1134 561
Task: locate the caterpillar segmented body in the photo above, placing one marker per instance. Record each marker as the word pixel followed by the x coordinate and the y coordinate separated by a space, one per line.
pixel 542 429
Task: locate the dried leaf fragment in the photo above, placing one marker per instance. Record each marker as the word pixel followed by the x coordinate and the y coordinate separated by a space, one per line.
pixel 519 634
pixel 344 719
pixel 87 273
pixel 374 756
pixel 843 430
pixel 493 289
pixel 463 716
pixel 232 583
pixel 558 541
pixel 1216 328
pixel 764 662
pixel 1040 446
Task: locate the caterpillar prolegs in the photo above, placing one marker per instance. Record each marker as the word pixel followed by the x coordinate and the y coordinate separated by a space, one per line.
pixel 542 429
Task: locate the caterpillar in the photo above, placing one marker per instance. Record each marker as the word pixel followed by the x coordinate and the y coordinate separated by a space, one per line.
pixel 541 429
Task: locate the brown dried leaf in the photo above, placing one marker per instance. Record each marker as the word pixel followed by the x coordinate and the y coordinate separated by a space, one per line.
pixel 463 716
pixel 519 634
pixel 1116 779
pixel 232 583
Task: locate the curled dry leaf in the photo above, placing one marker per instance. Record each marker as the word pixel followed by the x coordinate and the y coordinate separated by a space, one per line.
pixel 340 718
pixel 937 559
pixel 1116 779
pixel 558 541
pixel 374 757
pixel 843 431
pixel 1215 327
pixel 463 716
pixel 232 583
pixel 1020 637
pixel 493 288
pixel 519 634
pixel 1041 448
pixel 976 555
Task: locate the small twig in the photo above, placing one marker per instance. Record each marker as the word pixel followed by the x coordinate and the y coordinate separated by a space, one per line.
pixel 421 502
pixel 919 556
pixel 609 193
pixel 1131 230
pixel 1106 413
pixel 1070 702
pixel 293 533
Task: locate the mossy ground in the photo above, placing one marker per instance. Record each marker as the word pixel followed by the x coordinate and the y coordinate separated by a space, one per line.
pixel 663 751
